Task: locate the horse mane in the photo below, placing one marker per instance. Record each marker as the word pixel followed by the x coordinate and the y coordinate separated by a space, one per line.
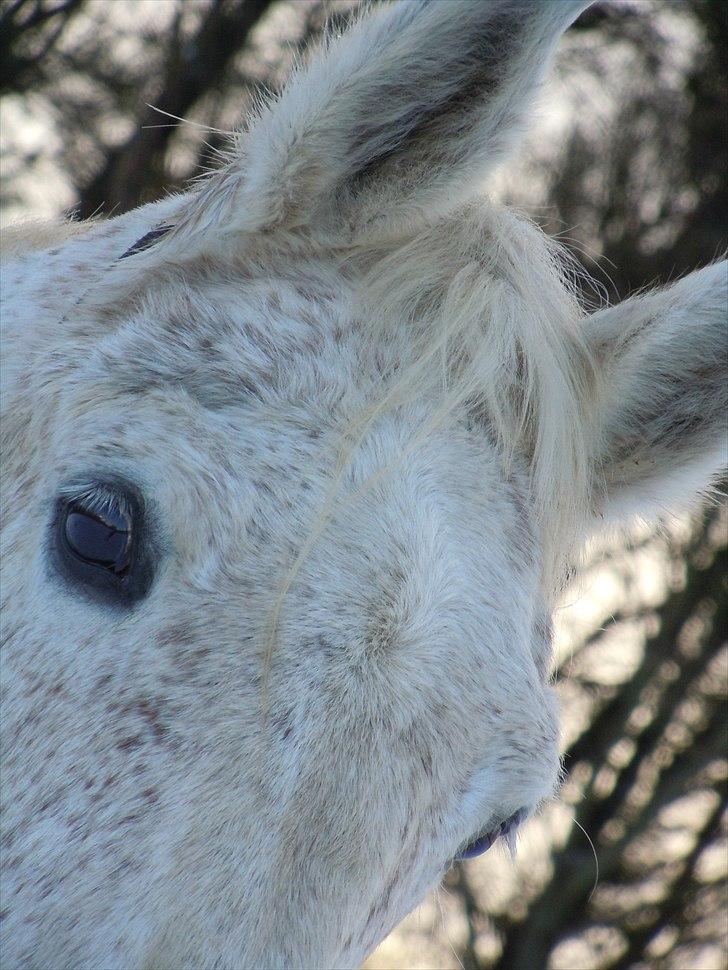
pixel 493 306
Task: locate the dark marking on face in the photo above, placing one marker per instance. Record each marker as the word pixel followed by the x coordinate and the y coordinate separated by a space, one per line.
pixel 128 744
pixel 146 241
pixel 382 904
pixel 426 760
pixel 273 303
pixel 308 318
pixel 282 724
pixel 150 713
pixel 178 634
pixel 128 819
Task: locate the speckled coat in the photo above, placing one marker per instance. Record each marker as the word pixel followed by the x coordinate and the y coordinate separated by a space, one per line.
pixel 350 422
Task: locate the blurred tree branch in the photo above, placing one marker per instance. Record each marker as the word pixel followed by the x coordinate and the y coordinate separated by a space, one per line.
pixel 668 144
pixel 29 30
pixel 191 69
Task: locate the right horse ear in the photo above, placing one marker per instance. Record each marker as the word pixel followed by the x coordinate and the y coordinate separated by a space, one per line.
pixel 391 125
pixel 663 414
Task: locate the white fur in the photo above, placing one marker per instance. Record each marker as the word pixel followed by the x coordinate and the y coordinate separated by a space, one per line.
pixel 370 423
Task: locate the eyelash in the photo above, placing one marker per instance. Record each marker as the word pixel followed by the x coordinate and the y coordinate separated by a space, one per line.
pixel 96 499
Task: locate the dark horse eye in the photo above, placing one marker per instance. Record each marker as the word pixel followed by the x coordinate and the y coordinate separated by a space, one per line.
pixel 101 545
pixel 100 538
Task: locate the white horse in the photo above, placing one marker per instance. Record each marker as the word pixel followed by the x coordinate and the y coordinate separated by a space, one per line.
pixel 293 464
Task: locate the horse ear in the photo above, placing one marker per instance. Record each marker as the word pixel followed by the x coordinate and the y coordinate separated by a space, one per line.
pixel 393 123
pixel 663 417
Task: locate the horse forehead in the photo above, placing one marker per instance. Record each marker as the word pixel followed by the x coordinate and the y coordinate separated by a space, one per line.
pixel 224 337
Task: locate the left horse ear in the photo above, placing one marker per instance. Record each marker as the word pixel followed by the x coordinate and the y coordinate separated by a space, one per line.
pixel 391 125
pixel 663 415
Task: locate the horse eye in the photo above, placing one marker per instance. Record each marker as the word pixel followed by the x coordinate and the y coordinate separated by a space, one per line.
pixel 102 547
pixel 99 538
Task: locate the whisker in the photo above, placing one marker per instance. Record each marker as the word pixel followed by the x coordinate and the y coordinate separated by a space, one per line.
pixel 596 857
pixel 187 121
pixel 441 889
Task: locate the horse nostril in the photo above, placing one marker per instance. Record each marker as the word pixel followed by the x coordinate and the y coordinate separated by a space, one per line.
pixel 484 840
pixel 512 823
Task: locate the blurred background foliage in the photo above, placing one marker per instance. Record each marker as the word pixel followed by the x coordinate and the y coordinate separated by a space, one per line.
pixel 627 165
